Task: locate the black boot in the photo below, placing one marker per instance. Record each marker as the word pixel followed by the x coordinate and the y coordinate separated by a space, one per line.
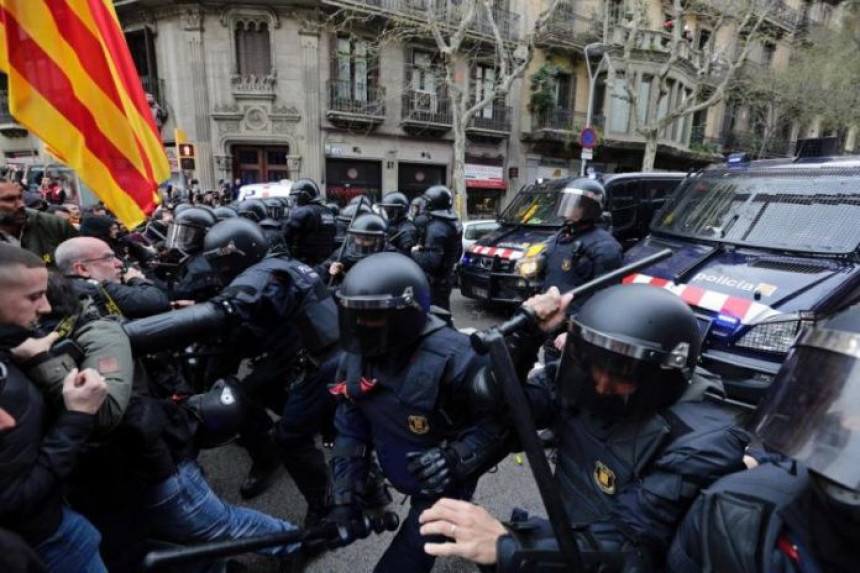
pixel 260 478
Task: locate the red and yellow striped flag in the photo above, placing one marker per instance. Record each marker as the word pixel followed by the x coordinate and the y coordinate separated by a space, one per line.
pixel 72 83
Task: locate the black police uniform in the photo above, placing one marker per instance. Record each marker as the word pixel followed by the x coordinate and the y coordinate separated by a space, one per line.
pixel 408 402
pixel 441 249
pixel 283 311
pixel 198 281
pixel 402 386
pixel 310 233
pixel 628 468
pixel 402 235
pixel 764 519
pixel 578 254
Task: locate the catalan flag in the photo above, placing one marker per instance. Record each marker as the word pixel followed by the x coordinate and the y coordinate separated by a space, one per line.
pixel 73 84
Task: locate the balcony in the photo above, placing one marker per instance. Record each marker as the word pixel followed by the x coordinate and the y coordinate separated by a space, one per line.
pixel 493 122
pixel 253 86
pixel 560 124
pixel 449 12
pixel 9 127
pixel 426 112
pixel 568 29
pixel 353 104
pixel 777 13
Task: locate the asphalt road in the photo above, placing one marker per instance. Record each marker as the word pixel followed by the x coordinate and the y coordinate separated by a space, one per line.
pixel 510 485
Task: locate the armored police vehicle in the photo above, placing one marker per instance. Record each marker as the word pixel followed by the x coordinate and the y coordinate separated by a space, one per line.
pixel 761 249
pixel 506 266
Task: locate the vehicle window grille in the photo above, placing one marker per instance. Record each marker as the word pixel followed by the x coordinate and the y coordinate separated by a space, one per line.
pixel 789 266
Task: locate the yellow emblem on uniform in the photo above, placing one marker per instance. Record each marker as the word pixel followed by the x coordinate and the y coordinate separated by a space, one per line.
pixel 565 265
pixel 419 424
pixel 604 477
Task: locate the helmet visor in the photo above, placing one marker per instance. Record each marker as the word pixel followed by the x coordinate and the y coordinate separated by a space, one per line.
pixel 275 211
pixel 812 412
pixel 360 245
pixel 574 203
pixel 184 238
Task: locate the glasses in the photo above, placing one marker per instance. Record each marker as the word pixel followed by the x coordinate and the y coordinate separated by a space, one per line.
pixel 102 259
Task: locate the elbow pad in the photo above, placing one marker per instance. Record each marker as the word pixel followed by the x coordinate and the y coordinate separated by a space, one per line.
pixel 178 328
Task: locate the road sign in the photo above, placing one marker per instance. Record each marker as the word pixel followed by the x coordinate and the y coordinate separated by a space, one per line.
pixel 587 154
pixel 588 138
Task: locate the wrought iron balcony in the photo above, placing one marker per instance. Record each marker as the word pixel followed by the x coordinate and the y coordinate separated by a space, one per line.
pixel 757 145
pixel 563 120
pixel 568 28
pixel 450 12
pixel 492 122
pixel 426 110
pixel 351 103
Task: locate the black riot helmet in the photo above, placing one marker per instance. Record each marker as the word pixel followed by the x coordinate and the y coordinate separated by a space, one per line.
pixel 185 233
pixel 630 352
pixel 395 205
pixel 812 411
pixel 365 237
pixel 344 218
pixel 253 209
pixel 582 200
pixel 274 208
pixel 220 413
pixel 224 212
pixel 439 198
pixel 417 206
pixel 334 208
pixel 304 191
pixel 233 245
pixel 382 304
pixel 179 208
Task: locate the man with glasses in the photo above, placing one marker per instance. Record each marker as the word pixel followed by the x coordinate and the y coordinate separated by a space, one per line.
pixel 96 271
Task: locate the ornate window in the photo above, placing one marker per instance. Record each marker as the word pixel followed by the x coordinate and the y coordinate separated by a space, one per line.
pixel 254 72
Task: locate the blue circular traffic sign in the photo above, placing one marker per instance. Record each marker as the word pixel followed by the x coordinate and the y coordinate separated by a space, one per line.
pixel 588 138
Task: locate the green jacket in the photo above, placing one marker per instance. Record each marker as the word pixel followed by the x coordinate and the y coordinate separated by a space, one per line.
pixel 43 232
pixel 106 350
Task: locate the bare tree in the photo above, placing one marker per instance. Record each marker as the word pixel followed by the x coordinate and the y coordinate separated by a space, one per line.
pixel 460 32
pixel 711 67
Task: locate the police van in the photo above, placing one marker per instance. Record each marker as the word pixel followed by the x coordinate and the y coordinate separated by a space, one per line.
pixel 761 249
pixel 506 266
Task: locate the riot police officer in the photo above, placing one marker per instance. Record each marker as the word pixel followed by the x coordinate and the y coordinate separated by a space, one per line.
pixel 402 386
pixel 581 250
pixel 441 246
pixel 402 233
pixel 632 454
pixel 310 230
pixel 195 278
pixel 253 209
pixel 800 513
pixel 343 219
pixel 367 235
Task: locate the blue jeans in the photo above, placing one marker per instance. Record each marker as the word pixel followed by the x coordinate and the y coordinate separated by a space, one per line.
pixel 74 546
pixel 183 508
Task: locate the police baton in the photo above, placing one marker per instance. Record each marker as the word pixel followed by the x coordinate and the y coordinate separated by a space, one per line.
pixel 336 534
pixel 525 317
pixel 343 245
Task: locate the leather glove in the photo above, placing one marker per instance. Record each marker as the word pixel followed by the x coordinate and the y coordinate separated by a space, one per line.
pixel 346 517
pixel 434 469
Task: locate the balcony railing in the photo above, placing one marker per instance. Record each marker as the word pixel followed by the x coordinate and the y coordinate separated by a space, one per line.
pixel 426 107
pixel 448 11
pixel 358 99
pixel 495 117
pixel 567 27
pixel 559 119
pixel 250 85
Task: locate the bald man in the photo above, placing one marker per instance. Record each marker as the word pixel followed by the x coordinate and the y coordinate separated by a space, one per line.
pixel 35 456
pixel 96 271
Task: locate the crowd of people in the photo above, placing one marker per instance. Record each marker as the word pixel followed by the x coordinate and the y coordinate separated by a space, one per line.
pixel 124 353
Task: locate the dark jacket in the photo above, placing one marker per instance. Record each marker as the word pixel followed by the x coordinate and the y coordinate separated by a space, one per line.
pixel 138 298
pixel 43 232
pixel 34 461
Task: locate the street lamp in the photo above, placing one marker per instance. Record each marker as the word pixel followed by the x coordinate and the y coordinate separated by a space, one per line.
pixel 597 48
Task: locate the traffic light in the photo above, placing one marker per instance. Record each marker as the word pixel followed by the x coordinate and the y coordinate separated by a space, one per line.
pixel 187 155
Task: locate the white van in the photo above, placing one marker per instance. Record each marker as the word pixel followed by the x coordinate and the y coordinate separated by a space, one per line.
pixel 264 190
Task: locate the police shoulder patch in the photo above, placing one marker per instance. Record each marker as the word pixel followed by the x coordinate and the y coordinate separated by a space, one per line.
pixel 565 265
pixel 604 477
pixel 419 425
